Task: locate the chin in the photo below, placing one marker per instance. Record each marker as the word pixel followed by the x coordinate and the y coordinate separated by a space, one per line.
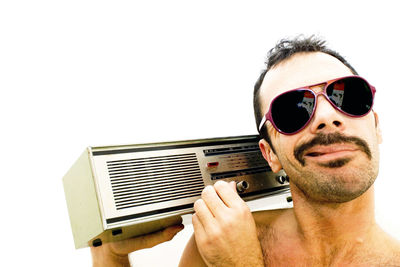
pixel 338 184
pixel 341 191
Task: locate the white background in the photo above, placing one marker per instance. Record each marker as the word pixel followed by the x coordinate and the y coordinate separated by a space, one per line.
pixel 80 73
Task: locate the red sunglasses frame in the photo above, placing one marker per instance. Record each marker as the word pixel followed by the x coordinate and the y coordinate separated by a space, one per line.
pixel 268 115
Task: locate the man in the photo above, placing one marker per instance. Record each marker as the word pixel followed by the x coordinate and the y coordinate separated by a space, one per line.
pixel 327 144
pixel 326 137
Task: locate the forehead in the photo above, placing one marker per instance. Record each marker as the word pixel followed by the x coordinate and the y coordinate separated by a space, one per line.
pixel 300 70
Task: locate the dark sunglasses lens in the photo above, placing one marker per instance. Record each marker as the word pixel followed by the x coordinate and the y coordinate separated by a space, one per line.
pixel 292 110
pixel 353 95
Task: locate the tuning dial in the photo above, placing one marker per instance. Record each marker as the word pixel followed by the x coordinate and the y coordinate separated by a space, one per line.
pixel 242 186
pixel 282 179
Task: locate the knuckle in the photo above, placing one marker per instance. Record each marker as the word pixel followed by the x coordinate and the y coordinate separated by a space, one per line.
pixel 244 211
pixel 245 208
pixel 228 222
pixel 220 184
pixel 206 242
pixel 210 238
pixel 197 204
pixel 206 191
pixel 214 234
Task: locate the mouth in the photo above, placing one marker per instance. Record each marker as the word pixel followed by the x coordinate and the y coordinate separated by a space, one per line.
pixel 330 153
pixel 330 148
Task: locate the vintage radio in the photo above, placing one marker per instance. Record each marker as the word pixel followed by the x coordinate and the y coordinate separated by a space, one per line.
pixel 117 192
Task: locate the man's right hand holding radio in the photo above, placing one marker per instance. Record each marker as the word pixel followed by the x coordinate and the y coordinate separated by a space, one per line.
pixel 225 231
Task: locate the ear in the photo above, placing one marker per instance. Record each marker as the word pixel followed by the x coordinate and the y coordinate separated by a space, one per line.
pixel 269 156
pixel 378 128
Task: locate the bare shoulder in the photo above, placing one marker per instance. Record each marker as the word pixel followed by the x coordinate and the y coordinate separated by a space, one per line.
pixel 395 253
pixel 388 247
pixel 267 218
pixel 380 249
pixel 272 224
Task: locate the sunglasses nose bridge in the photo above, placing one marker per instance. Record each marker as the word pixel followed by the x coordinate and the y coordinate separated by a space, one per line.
pixel 323 93
pixel 320 93
pixel 318 89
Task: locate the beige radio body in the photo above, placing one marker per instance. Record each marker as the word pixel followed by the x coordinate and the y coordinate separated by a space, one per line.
pixel 117 192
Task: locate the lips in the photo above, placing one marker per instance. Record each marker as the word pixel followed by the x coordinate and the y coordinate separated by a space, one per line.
pixel 332 146
pixel 331 152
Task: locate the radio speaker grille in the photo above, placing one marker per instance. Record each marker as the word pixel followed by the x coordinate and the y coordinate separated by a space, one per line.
pixel 144 181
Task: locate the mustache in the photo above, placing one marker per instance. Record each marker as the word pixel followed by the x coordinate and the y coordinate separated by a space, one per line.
pixel 330 139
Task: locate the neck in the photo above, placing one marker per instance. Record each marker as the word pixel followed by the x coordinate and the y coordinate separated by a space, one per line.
pixel 325 227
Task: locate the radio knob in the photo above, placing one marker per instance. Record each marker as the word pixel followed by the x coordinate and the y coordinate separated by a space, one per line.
pixel 242 186
pixel 282 179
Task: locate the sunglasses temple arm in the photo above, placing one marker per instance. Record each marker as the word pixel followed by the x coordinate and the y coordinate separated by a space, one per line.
pixel 264 119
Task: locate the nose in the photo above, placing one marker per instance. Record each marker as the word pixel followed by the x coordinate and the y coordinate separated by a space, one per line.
pixel 326 117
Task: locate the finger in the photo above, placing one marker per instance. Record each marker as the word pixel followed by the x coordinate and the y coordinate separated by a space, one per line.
pixel 204 215
pixel 229 196
pixel 213 201
pixel 198 228
pixel 145 241
pixel 233 184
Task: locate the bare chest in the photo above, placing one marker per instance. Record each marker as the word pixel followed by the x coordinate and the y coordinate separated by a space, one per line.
pixel 283 249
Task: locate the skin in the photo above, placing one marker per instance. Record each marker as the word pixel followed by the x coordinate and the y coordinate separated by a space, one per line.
pixel 332 222
pixel 116 253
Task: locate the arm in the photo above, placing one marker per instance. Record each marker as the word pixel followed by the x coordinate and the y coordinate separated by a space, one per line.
pixel 191 256
pixel 225 231
pixel 116 253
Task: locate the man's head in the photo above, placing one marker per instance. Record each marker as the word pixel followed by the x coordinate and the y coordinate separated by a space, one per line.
pixel 335 157
pixel 282 51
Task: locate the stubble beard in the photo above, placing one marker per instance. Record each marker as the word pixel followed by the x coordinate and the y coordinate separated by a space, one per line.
pixel 334 183
pixel 336 187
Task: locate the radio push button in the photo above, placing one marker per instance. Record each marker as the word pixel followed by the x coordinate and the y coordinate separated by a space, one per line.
pixel 212 164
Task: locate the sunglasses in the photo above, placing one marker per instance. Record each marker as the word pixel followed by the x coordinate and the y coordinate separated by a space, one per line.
pixel 291 111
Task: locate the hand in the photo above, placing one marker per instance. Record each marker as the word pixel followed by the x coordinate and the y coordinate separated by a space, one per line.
pixel 224 228
pixel 116 253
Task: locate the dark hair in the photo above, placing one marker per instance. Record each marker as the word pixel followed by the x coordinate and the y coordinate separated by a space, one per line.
pixel 282 51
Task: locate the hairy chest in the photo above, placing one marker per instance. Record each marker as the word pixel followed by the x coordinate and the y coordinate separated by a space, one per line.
pixel 281 248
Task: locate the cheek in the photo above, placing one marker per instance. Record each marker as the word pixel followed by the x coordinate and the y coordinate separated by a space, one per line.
pixel 273 133
pixel 374 139
pixel 369 130
pixel 285 149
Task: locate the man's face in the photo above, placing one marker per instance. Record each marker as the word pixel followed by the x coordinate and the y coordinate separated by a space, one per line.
pixel 335 157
